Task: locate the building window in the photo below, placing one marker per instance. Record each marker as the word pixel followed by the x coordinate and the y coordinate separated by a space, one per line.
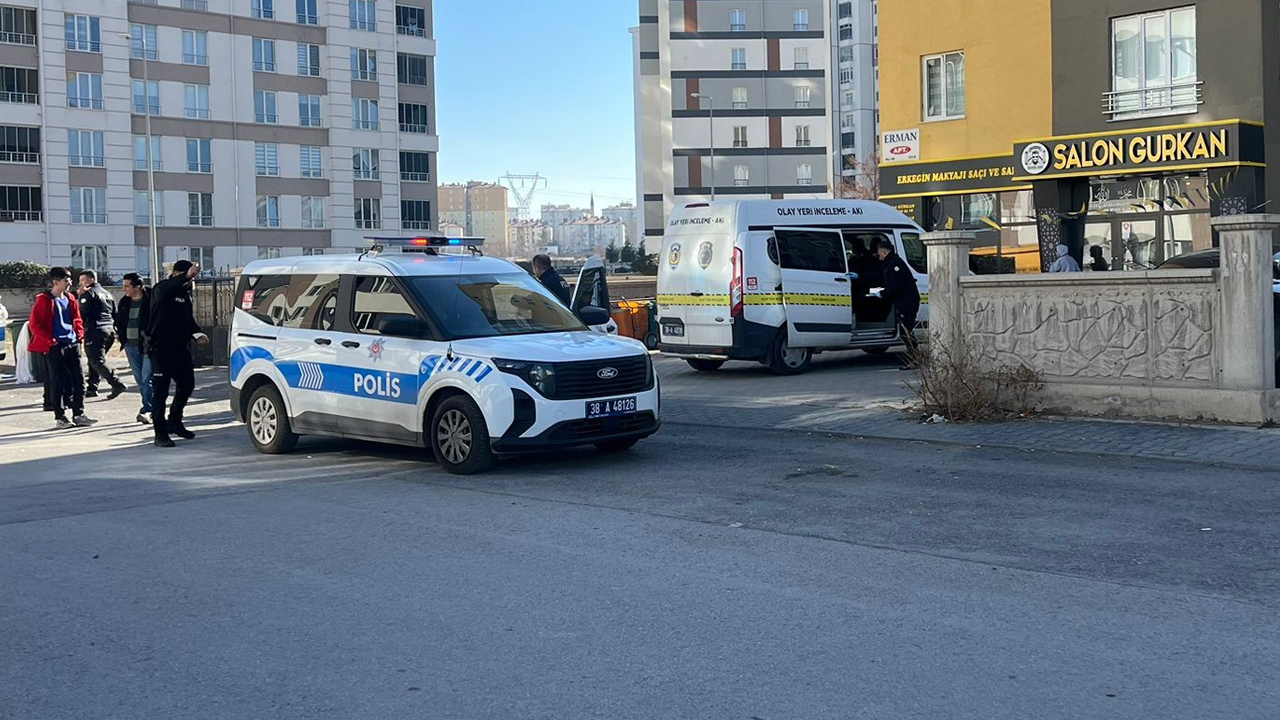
pixel 195 101
pixel 312 213
pixel 201 5
pixel 364 163
pixel 740 136
pixel 413 117
pixel 82 33
pixel 309 59
pixel 846 76
pixel 739 95
pixel 364 65
pixel 20 203
pixel 804 174
pixel 800 20
pixel 85 149
pixel 195 47
pixel 847 100
pixel 17 26
pixel 264 107
pixel 847 140
pixel 310 162
pixel 800 58
pixel 199 155
pixel 200 209
pixel 802 96
pixel 266 159
pixel 415 214
pixel 268 211
pixel 364 15
pixel 737 20
pixel 741 175
pixel 307 14
pixel 19 144
pixel 845 10
pixel 846 121
pixel 140 152
pixel 264 55
pixel 84 90
pixel 308 252
pixel 368 213
pixel 142 208
pixel 89 205
pixel 90 257
pixel 411 69
pixel 802 136
pixel 146 97
pixel 944 86
pixel 411 21
pixel 268 253
pixel 846 54
pixel 309 110
pixel 1153 64
pixel 845 32
pixel 265 9
pixel 415 166
pixel 364 114
pixel 739 59
pixel 142 42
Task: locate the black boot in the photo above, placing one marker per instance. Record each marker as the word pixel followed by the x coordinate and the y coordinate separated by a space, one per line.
pixel 177 428
pixel 163 441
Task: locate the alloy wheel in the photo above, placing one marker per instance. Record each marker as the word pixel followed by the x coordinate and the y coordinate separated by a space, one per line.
pixel 264 421
pixel 453 435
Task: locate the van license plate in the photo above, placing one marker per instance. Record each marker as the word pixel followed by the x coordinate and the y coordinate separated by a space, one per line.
pixel 609 408
pixel 673 330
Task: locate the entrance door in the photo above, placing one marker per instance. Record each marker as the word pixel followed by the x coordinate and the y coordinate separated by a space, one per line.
pixel 1128 242
pixel 815 287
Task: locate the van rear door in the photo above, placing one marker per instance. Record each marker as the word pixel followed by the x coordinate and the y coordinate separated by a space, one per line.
pixel 815 287
pixel 694 273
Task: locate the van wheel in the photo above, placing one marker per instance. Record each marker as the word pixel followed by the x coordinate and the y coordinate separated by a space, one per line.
pixel 876 350
pixel 702 365
pixel 268 422
pixel 651 341
pixel 460 437
pixel 786 360
pixel 616 446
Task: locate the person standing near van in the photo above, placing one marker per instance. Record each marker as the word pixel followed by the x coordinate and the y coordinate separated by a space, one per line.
pixel 98 311
pixel 900 289
pixel 551 279
pixel 131 323
pixel 56 332
pixel 171 326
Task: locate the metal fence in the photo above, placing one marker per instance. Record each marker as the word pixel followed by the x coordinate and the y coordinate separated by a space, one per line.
pixel 214 300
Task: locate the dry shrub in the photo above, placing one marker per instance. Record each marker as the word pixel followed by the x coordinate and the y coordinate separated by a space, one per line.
pixel 953 384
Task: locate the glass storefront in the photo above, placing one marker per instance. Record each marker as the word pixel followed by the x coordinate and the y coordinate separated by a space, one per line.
pixel 1141 222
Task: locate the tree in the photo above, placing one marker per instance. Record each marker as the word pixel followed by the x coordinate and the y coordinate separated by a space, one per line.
pixel 628 254
pixel 864 182
pixel 611 253
pixel 645 263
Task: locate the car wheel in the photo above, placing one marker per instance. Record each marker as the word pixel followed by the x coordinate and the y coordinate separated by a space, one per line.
pixel 704 365
pixel 786 360
pixel 616 446
pixel 268 422
pixel 460 437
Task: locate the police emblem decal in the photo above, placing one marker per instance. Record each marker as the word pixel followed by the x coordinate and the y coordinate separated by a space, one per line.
pixel 375 349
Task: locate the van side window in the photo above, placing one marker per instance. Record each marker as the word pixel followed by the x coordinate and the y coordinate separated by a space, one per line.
pixel 292 301
pixel 594 292
pixel 914 252
pixel 376 299
pixel 860 246
pixel 802 250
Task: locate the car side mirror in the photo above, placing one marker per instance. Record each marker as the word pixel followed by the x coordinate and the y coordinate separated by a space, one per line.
pixel 592 315
pixel 402 326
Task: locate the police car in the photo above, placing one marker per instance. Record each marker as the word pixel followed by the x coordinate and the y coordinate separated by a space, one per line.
pixel 416 345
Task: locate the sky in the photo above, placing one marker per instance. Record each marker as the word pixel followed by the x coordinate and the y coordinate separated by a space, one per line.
pixel 538 87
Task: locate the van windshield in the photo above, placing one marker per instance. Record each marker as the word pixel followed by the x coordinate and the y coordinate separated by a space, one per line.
pixel 915 255
pixel 471 306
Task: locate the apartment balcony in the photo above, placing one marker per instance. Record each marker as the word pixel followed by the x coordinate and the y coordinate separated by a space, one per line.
pixel 1162 100
pixel 21 216
pixel 13 38
pixel 202 5
pixel 413 128
pixel 26 158
pixel 412 30
pixel 415 176
pixel 415 225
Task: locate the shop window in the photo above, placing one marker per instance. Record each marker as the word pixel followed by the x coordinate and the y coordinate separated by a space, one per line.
pixel 1153 64
pixel 944 86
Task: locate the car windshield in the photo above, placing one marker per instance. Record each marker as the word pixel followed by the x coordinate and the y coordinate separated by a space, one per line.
pixel 470 306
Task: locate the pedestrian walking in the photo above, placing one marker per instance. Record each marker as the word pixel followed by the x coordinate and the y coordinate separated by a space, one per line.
pixel 1099 263
pixel 131 322
pixel 57 332
pixel 98 312
pixel 551 279
pixel 1064 263
pixel 900 289
pixel 171 327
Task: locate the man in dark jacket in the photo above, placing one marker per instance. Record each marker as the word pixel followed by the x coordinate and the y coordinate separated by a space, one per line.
pixel 171 326
pixel 98 310
pixel 551 279
pixel 131 325
pixel 900 289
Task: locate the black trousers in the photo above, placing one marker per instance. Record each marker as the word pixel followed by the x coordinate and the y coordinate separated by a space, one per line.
pixel 63 381
pixel 170 366
pixel 904 314
pixel 96 347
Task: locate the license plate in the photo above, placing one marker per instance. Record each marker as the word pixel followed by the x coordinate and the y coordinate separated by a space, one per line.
pixel 673 330
pixel 609 408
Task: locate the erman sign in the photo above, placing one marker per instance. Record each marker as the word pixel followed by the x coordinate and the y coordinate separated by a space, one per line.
pixel 1185 147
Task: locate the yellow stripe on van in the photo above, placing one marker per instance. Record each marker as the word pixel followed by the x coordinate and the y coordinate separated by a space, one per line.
pixel 815 299
pixel 762 299
pixel 693 300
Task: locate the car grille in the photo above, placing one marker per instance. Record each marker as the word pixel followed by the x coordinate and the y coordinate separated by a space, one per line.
pixel 581 380
pixel 588 430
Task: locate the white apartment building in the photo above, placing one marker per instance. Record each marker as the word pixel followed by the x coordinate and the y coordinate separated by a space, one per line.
pixel 856 88
pixel 744 80
pixel 278 127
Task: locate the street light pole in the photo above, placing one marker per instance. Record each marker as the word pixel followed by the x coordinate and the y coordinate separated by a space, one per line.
pixel 711 136
pixel 151 176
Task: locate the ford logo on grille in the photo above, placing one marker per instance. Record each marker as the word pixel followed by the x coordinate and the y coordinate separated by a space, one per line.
pixel 607 373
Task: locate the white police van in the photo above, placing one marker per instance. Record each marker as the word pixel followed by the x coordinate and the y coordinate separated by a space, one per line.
pixel 467 355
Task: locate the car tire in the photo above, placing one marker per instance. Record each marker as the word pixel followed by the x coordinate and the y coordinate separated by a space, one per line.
pixel 651 341
pixel 876 350
pixel 616 446
pixel 268 422
pixel 459 436
pixel 702 365
pixel 785 360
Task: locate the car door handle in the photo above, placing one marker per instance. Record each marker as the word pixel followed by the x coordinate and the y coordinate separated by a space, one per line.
pixel 350 344
pixel 842 279
pixel 695 294
pixel 323 341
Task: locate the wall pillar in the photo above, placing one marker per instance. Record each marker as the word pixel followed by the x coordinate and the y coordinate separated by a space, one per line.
pixel 948 262
pixel 1248 313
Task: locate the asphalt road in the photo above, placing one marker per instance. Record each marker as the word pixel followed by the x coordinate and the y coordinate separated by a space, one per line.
pixel 711 573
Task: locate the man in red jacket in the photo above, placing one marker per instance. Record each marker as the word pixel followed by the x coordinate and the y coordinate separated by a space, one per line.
pixel 56 332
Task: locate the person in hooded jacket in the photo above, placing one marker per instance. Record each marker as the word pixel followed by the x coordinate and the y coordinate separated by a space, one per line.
pixel 1064 263
pixel 171 327
pixel 98 310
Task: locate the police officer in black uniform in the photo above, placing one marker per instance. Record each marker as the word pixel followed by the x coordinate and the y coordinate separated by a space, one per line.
pixel 98 310
pixel 900 289
pixel 171 326
pixel 551 279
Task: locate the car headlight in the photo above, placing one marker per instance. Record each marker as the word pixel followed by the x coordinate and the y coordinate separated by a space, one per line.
pixel 540 376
